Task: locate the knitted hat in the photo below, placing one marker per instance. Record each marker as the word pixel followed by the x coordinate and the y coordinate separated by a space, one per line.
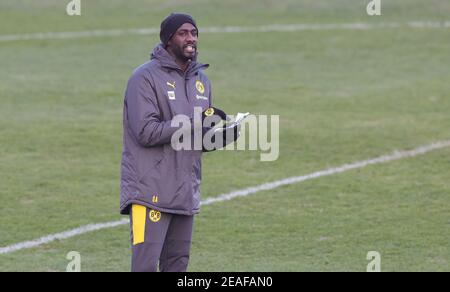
pixel 172 22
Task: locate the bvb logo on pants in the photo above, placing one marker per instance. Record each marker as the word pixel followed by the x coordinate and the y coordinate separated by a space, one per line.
pixel 155 216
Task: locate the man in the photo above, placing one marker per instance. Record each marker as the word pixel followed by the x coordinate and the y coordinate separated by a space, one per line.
pixel 160 187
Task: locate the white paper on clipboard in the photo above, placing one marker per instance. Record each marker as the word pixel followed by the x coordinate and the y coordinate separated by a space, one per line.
pixel 239 118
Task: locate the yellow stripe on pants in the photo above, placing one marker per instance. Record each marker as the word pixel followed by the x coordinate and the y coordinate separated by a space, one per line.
pixel 139 214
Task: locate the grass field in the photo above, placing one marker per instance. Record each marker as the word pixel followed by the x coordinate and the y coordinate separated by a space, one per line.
pixel 342 96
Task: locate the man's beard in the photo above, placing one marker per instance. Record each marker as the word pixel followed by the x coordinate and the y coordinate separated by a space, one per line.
pixel 179 54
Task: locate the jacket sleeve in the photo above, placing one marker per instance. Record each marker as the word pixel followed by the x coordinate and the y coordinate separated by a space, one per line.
pixel 143 114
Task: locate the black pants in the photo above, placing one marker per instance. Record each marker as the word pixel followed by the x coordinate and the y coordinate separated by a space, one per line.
pixel 159 238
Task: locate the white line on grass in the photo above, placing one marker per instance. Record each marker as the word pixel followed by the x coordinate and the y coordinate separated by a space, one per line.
pixel 225 29
pixel 61 235
pixel 396 155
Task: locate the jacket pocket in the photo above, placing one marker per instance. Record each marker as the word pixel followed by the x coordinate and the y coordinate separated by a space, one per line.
pixel 150 166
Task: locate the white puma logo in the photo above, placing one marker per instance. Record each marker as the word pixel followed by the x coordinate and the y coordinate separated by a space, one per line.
pixel 170 84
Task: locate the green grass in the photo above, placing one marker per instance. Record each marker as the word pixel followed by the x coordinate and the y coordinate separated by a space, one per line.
pixel 342 96
pixel 328 224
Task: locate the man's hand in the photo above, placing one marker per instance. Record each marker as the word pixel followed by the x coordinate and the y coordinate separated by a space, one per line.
pixel 225 135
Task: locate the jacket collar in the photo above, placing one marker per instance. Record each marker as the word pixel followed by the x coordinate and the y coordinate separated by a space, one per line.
pixel 168 61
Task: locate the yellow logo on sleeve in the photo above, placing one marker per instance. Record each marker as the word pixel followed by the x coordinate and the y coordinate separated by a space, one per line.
pixel 155 216
pixel 209 112
pixel 200 87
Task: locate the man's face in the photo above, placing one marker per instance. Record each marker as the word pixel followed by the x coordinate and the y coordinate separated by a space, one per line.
pixel 183 43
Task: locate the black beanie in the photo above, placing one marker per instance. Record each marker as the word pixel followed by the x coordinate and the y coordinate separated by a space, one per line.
pixel 172 22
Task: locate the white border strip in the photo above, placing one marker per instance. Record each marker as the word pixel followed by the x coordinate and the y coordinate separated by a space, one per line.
pixel 396 155
pixel 226 29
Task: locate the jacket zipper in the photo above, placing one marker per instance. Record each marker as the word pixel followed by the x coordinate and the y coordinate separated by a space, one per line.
pixel 185 87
